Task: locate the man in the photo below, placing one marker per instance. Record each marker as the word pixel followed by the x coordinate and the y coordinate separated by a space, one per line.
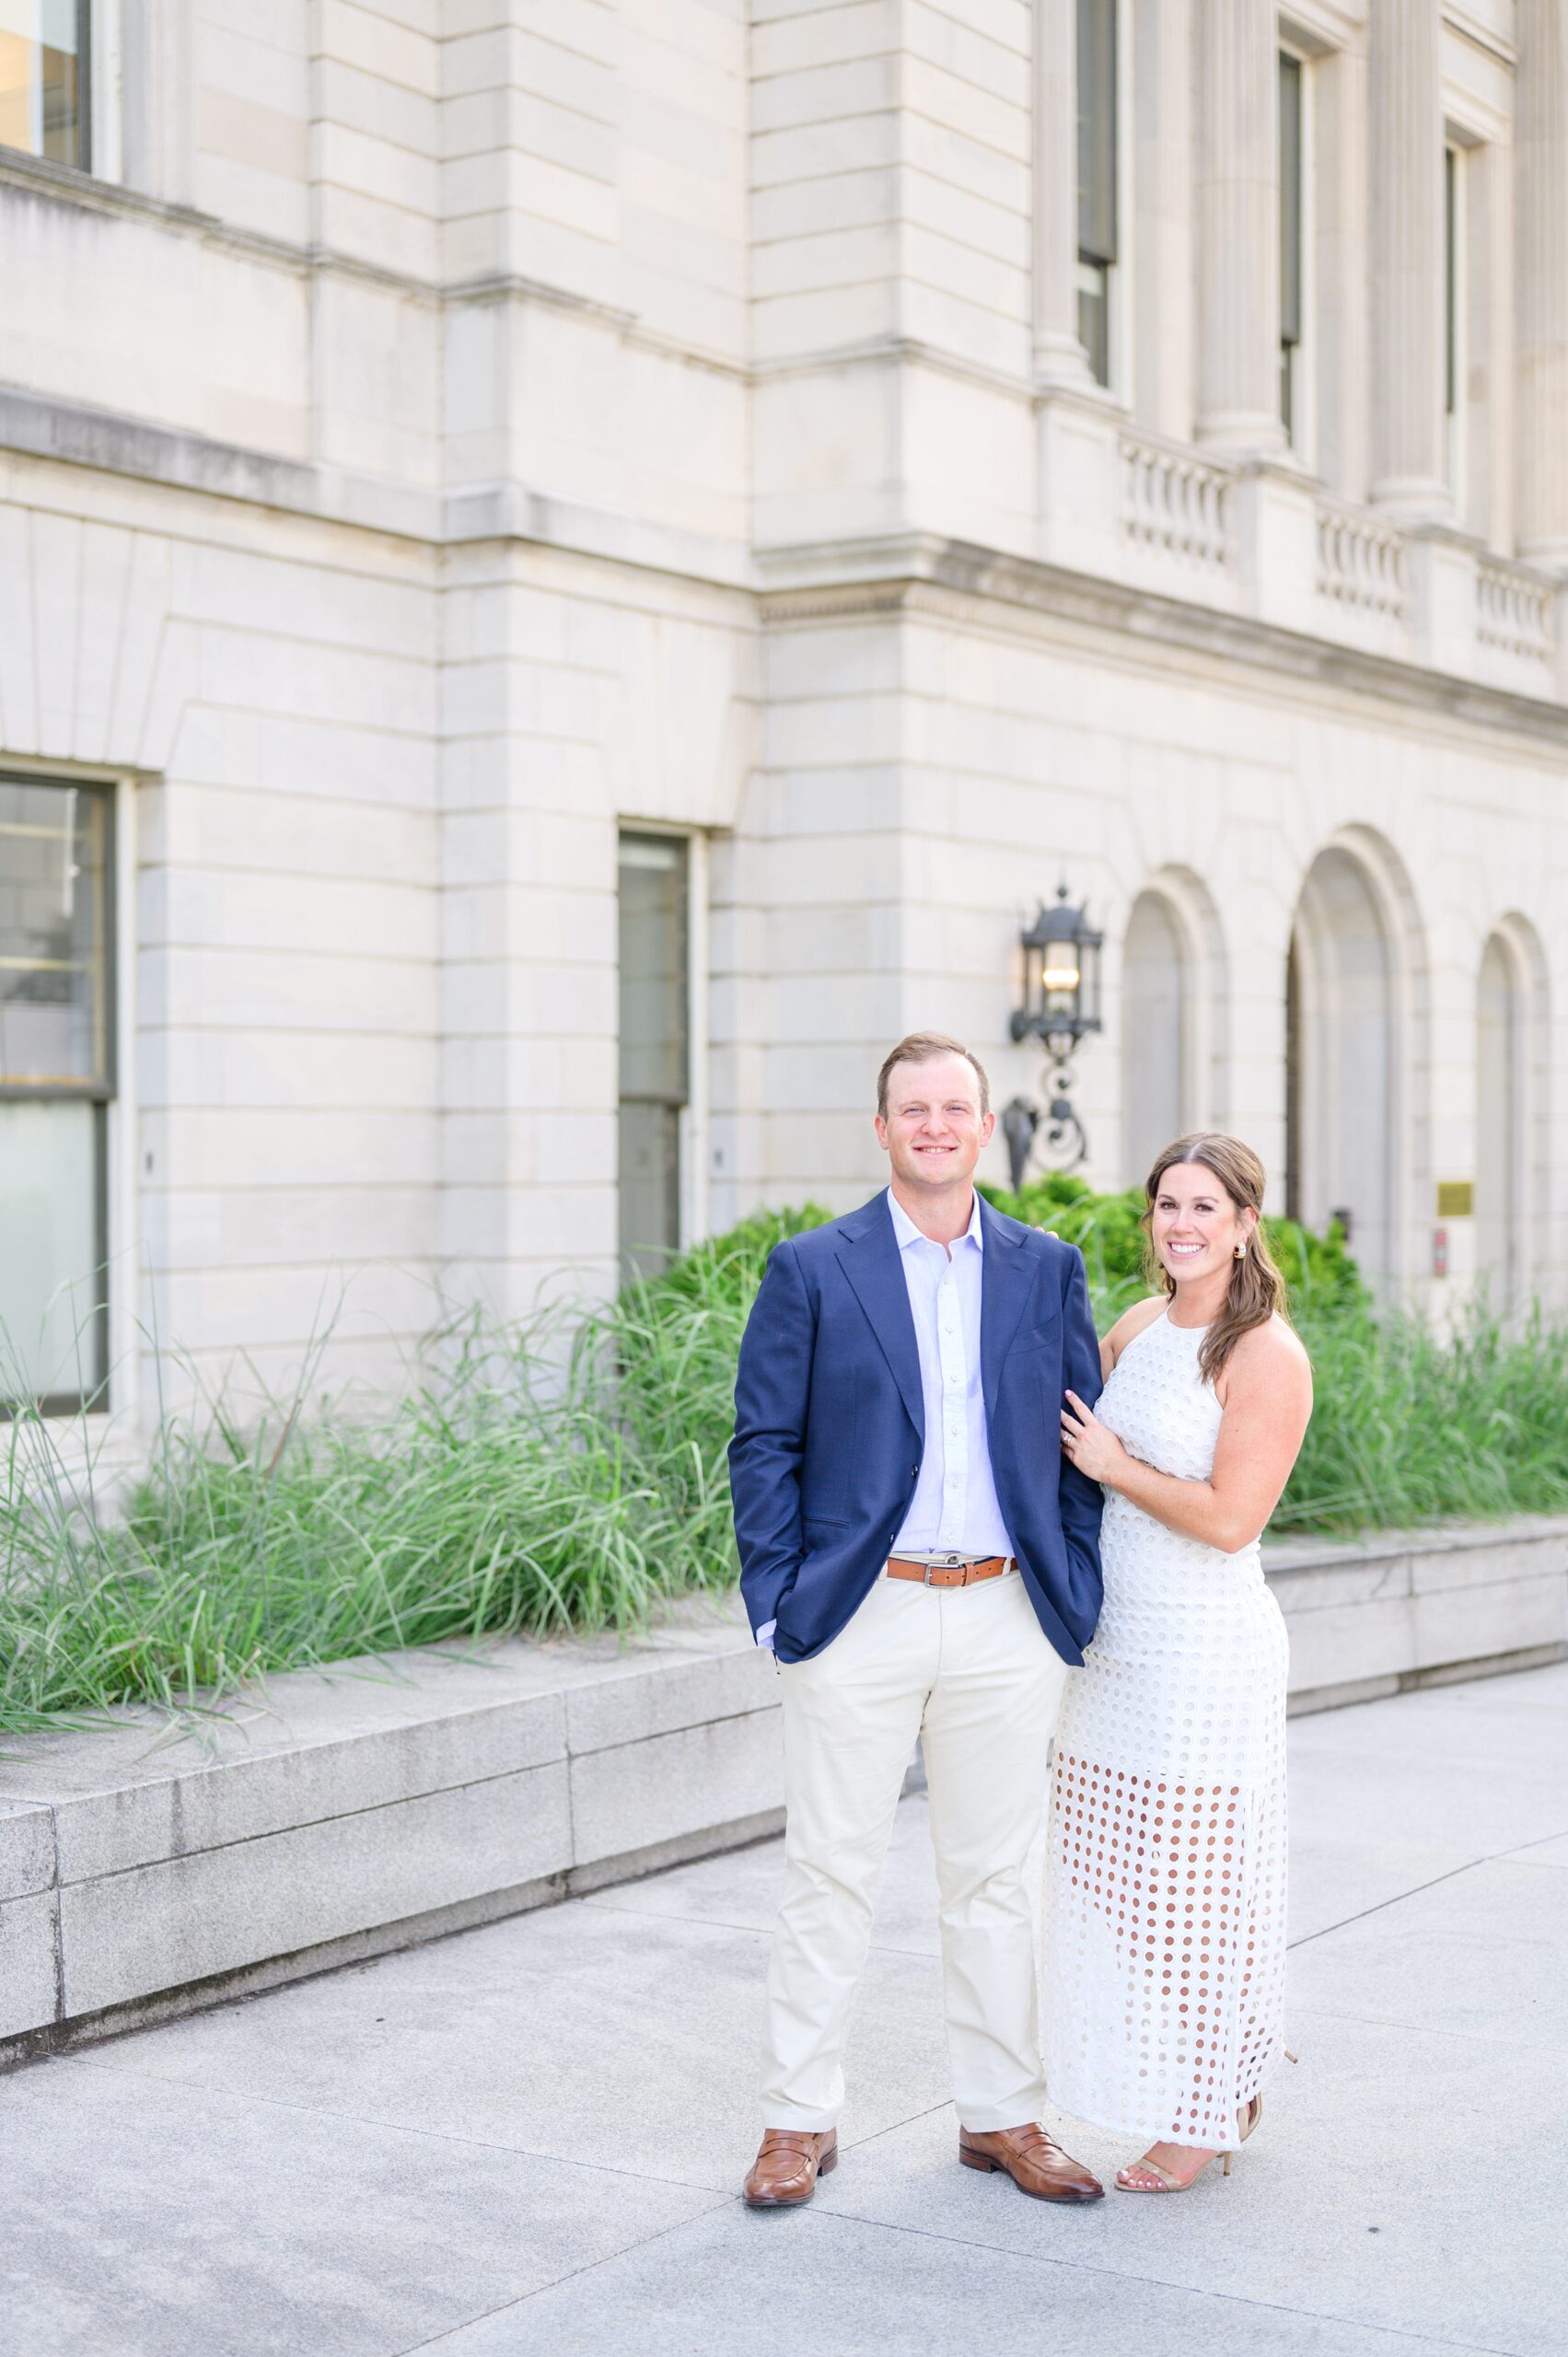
pixel 923 1562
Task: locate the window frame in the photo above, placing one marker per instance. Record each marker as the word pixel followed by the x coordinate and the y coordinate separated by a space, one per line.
pixel 1301 424
pixel 1456 305
pixel 101 1091
pixel 692 1111
pixel 89 32
pixel 1099 254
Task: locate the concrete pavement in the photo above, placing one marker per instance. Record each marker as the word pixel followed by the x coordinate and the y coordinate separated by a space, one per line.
pixel 528 2137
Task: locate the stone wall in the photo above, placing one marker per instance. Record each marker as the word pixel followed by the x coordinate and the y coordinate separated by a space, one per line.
pixel 435 435
pixel 340 1812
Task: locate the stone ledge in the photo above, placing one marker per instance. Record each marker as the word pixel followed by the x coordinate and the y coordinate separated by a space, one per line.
pixel 145 1871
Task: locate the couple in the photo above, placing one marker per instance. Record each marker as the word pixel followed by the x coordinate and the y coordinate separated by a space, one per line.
pixel 919 1475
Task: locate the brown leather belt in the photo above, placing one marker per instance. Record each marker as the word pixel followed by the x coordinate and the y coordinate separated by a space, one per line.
pixel 950 1571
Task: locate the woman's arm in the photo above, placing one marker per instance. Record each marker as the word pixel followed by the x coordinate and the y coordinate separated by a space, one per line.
pixel 1268 1400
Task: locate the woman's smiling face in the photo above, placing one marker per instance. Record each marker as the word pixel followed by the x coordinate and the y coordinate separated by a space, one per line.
pixel 1194 1226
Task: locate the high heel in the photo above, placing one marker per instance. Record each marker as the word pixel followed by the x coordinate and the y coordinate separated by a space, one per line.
pixel 1246 2121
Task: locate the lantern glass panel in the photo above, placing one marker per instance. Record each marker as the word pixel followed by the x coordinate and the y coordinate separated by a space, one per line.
pixel 1088 999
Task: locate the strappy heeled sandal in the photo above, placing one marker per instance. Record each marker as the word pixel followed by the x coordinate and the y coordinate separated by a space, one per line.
pixel 1246 2121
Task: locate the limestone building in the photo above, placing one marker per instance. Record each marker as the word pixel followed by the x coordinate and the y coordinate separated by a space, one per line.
pixel 570 568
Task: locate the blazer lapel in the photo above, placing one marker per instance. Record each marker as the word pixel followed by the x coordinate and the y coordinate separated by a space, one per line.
pixel 1008 1278
pixel 868 1254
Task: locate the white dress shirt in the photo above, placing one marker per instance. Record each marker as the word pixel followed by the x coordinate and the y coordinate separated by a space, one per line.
pixel 954 1507
pixel 954 1504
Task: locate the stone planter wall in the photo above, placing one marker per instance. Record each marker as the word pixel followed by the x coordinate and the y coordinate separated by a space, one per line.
pixel 379 1803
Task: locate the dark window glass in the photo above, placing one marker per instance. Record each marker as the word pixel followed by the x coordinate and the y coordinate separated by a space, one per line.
pixel 56 1081
pixel 655 1040
pixel 1096 177
pixel 1290 235
pixel 44 49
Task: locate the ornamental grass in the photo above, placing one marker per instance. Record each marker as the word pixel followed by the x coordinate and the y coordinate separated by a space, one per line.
pixel 569 1474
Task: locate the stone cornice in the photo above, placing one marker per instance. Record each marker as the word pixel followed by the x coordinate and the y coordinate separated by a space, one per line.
pixel 36 176
pixel 74 434
pixel 1485 37
pixel 61 183
pixel 923 574
pixel 909 572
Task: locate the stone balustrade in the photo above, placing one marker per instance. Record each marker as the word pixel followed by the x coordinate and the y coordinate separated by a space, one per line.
pixel 1514 611
pixel 1174 501
pixel 1361 561
pixel 1258 538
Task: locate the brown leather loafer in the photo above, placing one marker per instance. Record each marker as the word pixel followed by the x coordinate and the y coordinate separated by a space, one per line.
pixel 1036 2165
pixel 785 2171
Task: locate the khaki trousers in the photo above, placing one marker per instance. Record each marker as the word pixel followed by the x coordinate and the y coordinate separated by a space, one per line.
pixel 970 1671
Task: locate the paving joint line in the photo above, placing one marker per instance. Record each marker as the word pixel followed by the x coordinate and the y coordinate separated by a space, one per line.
pixel 504 2307
pixel 1415 2029
pixel 403 2128
pixel 716 1924
pixel 1119 2275
pixel 1491 1858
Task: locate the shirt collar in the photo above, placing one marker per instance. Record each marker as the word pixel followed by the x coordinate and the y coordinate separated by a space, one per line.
pixel 907 1233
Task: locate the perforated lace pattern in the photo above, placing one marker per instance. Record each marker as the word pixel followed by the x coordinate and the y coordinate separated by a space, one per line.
pixel 1165 1922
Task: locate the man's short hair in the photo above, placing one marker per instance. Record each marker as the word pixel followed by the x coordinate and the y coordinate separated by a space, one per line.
pixel 924 1047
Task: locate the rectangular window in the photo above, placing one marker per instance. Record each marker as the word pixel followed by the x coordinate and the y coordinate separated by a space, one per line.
pixel 1292 231
pixel 56 1083
pixel 1453 230
pixel 44 51
pixel 1096 179
pixel 654 1045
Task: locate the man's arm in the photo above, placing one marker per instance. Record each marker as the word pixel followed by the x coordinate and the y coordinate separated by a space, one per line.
pixel 771 1391
pixel 1082 1501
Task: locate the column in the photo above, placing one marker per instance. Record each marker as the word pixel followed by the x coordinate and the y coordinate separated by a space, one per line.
pixel 1163 341
pixel 1408 459
pixel 1239 230
pixel 1541 167
pixel 1059 358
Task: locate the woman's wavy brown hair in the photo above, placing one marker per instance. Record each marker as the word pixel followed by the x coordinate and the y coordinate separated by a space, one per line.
pixel 1257 1288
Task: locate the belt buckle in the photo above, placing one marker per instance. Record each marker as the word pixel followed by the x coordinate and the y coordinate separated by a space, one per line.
pixel 950 1563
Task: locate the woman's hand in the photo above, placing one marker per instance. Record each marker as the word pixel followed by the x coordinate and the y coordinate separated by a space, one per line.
pixel 1092 1447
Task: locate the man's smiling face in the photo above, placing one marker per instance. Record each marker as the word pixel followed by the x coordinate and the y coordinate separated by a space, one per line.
pixel 935 1128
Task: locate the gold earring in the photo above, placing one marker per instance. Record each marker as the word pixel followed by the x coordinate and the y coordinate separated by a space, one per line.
pixel 1241 1251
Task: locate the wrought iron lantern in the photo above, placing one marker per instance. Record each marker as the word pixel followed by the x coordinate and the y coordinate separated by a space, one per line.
pixel 1062 1004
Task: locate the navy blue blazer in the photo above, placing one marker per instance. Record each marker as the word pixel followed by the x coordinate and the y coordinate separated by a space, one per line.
pixel 830 1424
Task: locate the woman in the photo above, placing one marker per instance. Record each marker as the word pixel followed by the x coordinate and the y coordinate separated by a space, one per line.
pixel 1167 1879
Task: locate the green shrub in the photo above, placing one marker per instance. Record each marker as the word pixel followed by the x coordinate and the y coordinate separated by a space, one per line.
pixel 570 1472
pixel 1107 1230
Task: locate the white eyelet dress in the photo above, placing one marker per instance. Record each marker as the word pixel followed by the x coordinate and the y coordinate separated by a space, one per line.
pixel 1164 1970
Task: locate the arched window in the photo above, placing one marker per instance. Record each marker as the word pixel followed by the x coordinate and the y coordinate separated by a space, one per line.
pixel 1157 1017
pixel 1510 1169
pixel 1498 1170
pixel 1344 1076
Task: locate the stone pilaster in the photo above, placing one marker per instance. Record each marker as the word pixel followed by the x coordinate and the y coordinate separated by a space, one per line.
pixel 1059 358
pixel 1409 474
pixel 1541 166
pixel 1239 235
pixel 1163 340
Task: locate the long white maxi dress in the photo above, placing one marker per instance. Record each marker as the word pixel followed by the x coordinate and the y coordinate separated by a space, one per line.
pixel 1164 1966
